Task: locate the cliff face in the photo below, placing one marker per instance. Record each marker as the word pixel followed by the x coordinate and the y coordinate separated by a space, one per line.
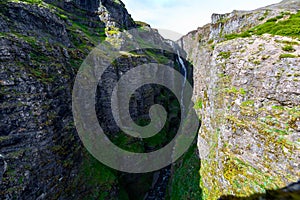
pixel 42 46
pixel 247 89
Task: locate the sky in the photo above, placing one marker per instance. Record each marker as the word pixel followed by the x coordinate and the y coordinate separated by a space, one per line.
pixel 183 16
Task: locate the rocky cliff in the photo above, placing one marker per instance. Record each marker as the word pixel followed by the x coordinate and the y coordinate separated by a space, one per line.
pixel 246 90
pixel 246 75
pixel 43 44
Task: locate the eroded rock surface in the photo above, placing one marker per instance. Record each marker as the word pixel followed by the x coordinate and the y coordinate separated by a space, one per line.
pixel 247 94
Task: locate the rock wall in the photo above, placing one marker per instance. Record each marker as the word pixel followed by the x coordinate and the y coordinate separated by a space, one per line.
pixel 42 46
pixel 248 99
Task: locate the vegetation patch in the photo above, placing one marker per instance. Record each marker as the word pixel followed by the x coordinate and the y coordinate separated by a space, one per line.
pixel 287 55
pixel 236 91
pixel 95 179
pixel 275 26
pixel 247 103
pixel 185 182
pixel 288 48
pixel 157 56
pixel 287 42
pixel 288 27
pixel 265 15
pixel 237 35
pixel 199 104
pixel 225 55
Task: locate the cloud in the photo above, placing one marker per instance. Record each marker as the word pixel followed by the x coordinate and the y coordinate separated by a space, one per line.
pixel 183 16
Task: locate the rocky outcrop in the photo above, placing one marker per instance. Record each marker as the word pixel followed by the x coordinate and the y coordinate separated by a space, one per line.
pixel 247 92
pixel 239 21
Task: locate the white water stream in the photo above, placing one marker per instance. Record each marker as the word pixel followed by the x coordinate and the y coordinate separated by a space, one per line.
pixel 184 82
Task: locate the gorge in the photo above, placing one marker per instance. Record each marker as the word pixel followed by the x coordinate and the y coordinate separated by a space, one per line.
pixel 244 70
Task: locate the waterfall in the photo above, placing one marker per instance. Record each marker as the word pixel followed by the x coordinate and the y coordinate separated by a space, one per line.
pixel 4 167
pixel 160 181
pixel 184 82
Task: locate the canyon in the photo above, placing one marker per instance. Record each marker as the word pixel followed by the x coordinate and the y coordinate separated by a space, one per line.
pixel 244 70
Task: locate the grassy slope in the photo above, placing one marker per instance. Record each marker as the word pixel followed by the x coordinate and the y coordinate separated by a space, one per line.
pixel 185 181
pixel 275 26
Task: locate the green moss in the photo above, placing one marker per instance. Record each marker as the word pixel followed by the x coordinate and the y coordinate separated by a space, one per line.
pixel 199 104
pixel 232 90
pixel 247 103
pixel 97 173
pixel 243 91
pixel 235 91
pixel 287 55
pixel 225 55
pixel 236 123
pixel 157 56
pixel 62 16
pixel 98 179
pixel 256 62
pixel 128 143
pixel 287 42
pixel 288 48
pixel 33 1
pixel 210 41
pixel 94 35
pixel 278 107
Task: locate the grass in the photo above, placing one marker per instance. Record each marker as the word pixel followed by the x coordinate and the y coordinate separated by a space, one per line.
pixel 98 179
pixel 225 55
pixel 185 182
pixel 88 32
pixel 199 104
pixel 274 26
pixel 237 35
pixel 33 1
pixel 288 48
pixel 128 143
pixel 157 56
pixel 287 55
pixel 289 27
pixel 247 103
pixel 287 42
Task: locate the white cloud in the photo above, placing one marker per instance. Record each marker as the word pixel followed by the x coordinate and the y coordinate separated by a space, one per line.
pixel 183 16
